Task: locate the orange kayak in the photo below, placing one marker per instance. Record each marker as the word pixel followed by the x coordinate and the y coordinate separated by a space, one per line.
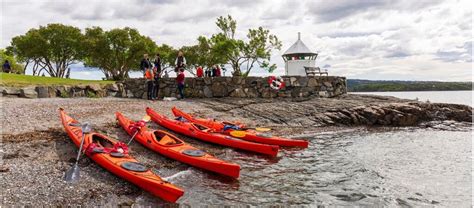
pixel 97 147
pixel 250 135
pixel 172 147
pixel 205 134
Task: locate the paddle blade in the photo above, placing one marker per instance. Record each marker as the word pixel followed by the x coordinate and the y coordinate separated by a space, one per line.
pixel 261 129
pixel 238 134
pixel 86 128
pixel 146 118
pixel 72 175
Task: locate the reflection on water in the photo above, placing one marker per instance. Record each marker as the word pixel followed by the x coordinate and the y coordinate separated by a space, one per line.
pixel 399 167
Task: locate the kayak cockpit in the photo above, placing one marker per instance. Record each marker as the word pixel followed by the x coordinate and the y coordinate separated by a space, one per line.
pixel 201 127
pixel 102 141
pixel 165 139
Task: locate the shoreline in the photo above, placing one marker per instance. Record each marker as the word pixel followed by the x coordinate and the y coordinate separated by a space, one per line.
pixel 41 148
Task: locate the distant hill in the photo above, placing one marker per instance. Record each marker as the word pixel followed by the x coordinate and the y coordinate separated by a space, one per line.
pixel 360 85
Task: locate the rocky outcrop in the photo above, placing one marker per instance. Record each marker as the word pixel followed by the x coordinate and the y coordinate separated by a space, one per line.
pixel 346 110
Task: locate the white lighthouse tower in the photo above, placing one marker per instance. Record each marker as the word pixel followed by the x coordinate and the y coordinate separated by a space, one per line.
pixel 297 57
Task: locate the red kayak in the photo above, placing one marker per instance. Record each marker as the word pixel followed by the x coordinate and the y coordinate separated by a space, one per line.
pixel 250 135
pixel 205 134
pixel 172 147
pixel 101 149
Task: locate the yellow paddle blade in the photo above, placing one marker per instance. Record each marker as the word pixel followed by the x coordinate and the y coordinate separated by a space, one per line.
pixel 146 118
pixel 238 134
pixel 261 129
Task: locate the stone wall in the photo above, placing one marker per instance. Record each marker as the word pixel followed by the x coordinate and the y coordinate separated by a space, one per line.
pixel 249 87
pixel 65 91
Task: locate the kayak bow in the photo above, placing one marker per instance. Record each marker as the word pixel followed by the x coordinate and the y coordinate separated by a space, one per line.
pixel 103 151
pixel 170 146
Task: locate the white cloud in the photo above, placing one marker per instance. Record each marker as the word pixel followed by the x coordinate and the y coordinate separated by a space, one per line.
pixel 375 39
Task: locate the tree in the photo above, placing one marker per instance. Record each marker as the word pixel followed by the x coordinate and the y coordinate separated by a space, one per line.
pixel 52 48
pixel 168 56
pixel 16 67
pixel 242 54
pixel 116 52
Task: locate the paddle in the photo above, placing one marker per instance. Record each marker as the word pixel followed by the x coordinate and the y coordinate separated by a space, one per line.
pixel 260 129
pixel 72 175
pixel 144 120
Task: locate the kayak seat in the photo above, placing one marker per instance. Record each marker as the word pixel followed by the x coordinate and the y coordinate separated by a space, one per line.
pixel 166 140
pixel 98 139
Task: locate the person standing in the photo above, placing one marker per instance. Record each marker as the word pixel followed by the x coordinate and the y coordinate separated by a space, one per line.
pixel 180 83
pixel 145 65
pixel 214 71
pixel 157 75
pixel 218 71
pixel 180 62
pixel 199 71
pixel 6 67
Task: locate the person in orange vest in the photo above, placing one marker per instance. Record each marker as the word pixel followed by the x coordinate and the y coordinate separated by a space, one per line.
pixel 199 71
pixel 145 65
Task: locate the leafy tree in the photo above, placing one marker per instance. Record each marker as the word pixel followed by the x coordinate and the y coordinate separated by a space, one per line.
pixel 242 54
pixel 17 68
pixel 116 52
pixel 52 48
pixel 168 56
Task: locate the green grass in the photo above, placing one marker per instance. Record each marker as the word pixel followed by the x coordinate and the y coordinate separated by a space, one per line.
pixel 25 80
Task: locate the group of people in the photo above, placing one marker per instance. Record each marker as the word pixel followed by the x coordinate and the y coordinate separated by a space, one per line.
pixel 214 71
pixel 153 71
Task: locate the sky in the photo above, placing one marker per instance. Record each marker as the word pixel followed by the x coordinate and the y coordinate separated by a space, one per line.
pixel 366 39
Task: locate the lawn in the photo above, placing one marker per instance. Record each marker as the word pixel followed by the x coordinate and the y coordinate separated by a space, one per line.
pixel 24 80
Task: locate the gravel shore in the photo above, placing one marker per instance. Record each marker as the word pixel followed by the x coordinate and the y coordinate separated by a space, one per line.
pixel 36 151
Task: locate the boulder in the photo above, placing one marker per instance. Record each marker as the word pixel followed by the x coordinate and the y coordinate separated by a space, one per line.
pixel 207 92
pixel 94 87
pixel 312 82
pixel 28 92
pixel 251 92
pixel 112 87
pixel 303 81
pixel 218 89
pixel 239 92
pixel 43 92
pixel 63 91
pixel 323 94
pixel 327 84
pixel 11 91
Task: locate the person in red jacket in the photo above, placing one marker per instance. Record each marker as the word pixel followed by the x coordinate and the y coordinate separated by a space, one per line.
pixel 180 83
pixel 199 71
pixel 218 71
